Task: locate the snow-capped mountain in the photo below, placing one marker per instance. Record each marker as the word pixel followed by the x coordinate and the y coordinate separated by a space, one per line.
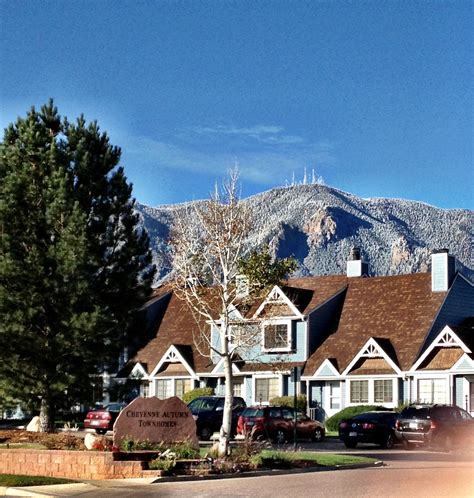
pixel 319 225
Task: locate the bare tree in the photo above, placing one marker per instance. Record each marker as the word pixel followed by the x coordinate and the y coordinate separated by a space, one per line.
pixel 208 243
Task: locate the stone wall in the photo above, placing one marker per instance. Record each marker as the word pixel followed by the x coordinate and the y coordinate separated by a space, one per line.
pixel 69 464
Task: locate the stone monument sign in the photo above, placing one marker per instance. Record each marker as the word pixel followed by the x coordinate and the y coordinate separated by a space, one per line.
pixel 157 421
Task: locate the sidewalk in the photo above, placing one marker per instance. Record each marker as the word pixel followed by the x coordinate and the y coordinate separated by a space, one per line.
pixel 74 489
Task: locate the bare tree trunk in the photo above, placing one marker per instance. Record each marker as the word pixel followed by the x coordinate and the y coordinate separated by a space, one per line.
pixel 226 428
pixel 46 415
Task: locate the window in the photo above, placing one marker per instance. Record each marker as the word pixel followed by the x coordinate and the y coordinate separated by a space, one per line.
pixel 432 391
pixel 145 390
pixel 237 387
pixel 266 389
pixel 359 391
pixel 383 391
pixel 163 389
pixel 182 386
pixel 276 336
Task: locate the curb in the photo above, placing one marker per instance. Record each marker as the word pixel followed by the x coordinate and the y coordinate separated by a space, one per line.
pixel 74 489
pixel 270 472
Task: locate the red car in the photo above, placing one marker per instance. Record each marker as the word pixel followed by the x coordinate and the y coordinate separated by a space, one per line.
pixel 102 419
pixel 277 423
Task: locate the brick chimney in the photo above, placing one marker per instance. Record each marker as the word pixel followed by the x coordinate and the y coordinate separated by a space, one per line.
pixel 355 266
pixel 443 270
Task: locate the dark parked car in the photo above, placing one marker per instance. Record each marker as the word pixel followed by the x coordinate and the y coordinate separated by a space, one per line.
pixel 277 423
pixel 369 427
pixel 102 419
pixel 208 411
pixel 438 425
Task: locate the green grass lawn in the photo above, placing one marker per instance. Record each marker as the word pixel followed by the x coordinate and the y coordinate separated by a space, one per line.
pixel 10 480
pixel 326 459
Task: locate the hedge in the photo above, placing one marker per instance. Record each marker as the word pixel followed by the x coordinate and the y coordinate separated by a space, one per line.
pixel 332 423
pixel 188 396
pixel 301 402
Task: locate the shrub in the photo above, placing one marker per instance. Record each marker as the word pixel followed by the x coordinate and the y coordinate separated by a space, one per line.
pixel 301 402
pixel 162 464
pixel 332 423
pixel 130 444
pixel 250 446
pixel 195 393
pixel 184 451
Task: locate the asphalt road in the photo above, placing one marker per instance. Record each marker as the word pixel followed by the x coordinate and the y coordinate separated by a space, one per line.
pixel 406 474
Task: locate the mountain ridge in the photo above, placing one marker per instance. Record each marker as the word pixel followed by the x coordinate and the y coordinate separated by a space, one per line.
pixel 319 225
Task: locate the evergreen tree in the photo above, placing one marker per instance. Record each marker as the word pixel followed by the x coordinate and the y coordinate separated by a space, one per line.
pixel 263 271
pixel 74 266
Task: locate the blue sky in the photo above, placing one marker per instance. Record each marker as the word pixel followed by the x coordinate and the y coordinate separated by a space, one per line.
pixel 375 96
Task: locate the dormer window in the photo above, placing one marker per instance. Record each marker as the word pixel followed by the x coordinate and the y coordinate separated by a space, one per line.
pixel 277 336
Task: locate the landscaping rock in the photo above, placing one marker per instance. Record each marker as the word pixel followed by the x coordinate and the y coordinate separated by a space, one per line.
pixel 156 421
pixel 34 425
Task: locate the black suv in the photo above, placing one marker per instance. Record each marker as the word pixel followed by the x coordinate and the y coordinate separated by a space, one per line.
pixel 208 411
pixel 437 425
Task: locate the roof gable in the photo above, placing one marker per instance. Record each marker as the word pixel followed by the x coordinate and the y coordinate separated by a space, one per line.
pixel 219 368
pixel 364 360
pixel 138 372
pixel 446 340
pixel 173 355
pixel 466 362
pixel 397 310
pixel 327 369
pixel 277 304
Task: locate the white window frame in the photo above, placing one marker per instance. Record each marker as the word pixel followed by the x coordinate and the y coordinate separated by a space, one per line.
pixel 447 384
pixel 237 381
pixel 371 391
pixel 289 327
pixel 256 400
pixel 351 381
pixel 173 380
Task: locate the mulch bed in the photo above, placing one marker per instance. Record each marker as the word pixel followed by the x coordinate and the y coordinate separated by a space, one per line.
pixel 56 441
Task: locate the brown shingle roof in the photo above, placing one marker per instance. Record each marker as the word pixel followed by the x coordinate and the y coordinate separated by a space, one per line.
pixel 442 359
pixel 322 288
pixel 179 324
pixel 176 328
pixel 399 308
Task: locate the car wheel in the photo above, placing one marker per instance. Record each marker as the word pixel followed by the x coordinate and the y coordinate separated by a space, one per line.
pixel 388 442
pixel 102 432
pixel 205 433
pixel 280 436
pixel 317 435
pixel 350 444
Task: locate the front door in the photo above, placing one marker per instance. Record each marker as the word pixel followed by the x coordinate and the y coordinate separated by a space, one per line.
pixel 332 401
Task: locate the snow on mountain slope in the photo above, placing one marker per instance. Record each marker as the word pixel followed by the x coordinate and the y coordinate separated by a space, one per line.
pixel 319 225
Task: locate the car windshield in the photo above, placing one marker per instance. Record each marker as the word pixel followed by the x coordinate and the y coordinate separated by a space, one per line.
pixel 202 404
pixel 252 412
